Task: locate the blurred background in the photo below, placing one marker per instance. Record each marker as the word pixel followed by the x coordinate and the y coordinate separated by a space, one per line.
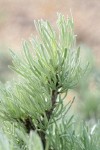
pixel 17 23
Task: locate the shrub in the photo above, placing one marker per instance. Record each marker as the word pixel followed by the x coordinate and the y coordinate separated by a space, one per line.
pixel 32 113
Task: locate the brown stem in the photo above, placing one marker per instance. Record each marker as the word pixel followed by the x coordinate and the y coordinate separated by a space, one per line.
pixel 28 124
pixel 49 112
pixel 53 100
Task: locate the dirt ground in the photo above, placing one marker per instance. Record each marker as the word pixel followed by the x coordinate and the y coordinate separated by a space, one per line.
pixel 16 20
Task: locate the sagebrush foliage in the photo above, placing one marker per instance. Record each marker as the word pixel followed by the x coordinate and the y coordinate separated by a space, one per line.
pixel 33 103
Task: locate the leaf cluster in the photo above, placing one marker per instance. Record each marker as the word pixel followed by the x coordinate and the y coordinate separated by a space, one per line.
pixel 34 103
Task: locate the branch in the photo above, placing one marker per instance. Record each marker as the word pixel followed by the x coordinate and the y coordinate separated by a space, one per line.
pixel 53 100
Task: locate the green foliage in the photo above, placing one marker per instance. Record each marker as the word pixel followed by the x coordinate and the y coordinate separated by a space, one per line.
pixel 31 107
pixel 5 72
pixel 31 142
pixel 90 107
pixel 89 96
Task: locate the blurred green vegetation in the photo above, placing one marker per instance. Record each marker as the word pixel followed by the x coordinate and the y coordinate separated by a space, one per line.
pixel 5 60
pixel 88 105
